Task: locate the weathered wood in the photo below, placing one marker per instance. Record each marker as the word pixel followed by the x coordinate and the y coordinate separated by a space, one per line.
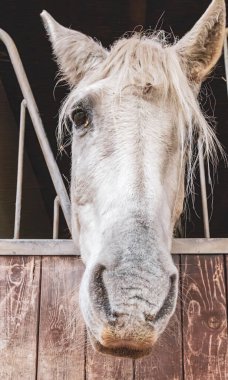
pixel 200 246
pixel 204 318
pixel 99 366
pixel 61 247
pixel 47 247
pixel 166 360
pixel 19 290
pixel 61 330
pixel 226 264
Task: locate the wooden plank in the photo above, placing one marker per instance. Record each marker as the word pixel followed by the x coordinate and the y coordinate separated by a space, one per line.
pixel 200 246
pixel 19 299
pixel 99 366
pixel 166 360
pixel 226 264
pixel 62 334
pixel 48 247
pixel 204 318
pixel 61 247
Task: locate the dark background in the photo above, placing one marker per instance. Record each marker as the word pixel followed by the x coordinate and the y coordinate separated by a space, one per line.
pixel 106 20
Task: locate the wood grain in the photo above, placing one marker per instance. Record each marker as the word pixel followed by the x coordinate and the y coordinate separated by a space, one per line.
pixel 62 338
pixel 226 263
pixel 19 290
pixel 204 318
pixel 226 270
pixel 166 360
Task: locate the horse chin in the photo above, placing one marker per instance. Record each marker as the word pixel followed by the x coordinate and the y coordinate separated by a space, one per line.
pixel 124 352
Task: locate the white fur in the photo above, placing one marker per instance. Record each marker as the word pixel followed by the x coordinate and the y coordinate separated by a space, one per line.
pixel 129 165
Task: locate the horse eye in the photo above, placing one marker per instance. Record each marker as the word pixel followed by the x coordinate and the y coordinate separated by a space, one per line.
pixel 80 118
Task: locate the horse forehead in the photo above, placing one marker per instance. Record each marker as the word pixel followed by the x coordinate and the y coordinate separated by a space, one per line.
pixel 133 112
pixel 139 63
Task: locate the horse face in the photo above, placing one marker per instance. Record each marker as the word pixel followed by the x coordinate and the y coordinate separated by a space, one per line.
pixel 124 192
pixel 133 113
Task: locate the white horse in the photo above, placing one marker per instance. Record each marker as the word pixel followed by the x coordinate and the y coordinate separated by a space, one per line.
pixel 134 117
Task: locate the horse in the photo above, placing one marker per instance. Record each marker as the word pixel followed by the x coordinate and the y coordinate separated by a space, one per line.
pixel 133 117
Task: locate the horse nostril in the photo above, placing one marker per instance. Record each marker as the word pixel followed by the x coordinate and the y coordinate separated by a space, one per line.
pixel 98 290
pixel 97 274
pixel 173 279
pixel 168 303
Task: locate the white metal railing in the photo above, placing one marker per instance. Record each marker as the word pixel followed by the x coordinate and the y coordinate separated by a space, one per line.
pixel 56 218
pixel 39 129
pixel 17 220
pixel 226 57
pixel 203 191
pixel 57 246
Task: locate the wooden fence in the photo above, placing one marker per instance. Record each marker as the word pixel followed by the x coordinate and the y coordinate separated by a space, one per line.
pixel 42 334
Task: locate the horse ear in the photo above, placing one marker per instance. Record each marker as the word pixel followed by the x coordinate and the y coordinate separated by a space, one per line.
pixel 76 53
pixel 201 48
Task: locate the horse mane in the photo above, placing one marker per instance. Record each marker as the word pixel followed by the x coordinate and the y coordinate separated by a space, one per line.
pixel 147 62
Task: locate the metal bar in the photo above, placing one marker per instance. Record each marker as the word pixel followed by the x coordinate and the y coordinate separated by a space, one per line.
pixel 203 191
pixel 38 125
pixel 56 218
pixel 226 58
pixel 17 220
pixel 24 247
